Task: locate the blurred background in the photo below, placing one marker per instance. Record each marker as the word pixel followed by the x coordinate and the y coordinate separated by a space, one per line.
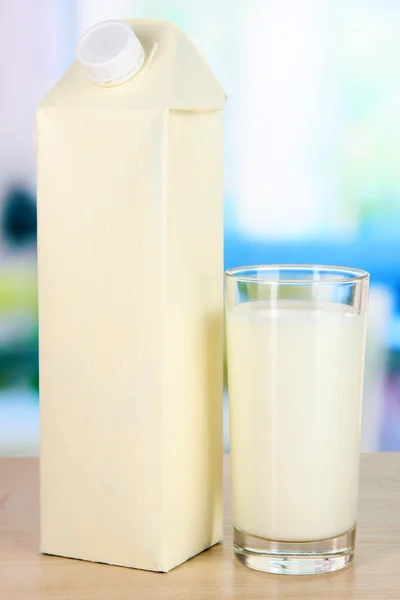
pixel 312 161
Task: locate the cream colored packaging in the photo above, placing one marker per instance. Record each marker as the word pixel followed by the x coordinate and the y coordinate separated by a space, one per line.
pixel 130 251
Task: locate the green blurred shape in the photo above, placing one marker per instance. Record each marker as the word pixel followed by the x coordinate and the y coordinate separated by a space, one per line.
pixel 18 289
pixel 268 292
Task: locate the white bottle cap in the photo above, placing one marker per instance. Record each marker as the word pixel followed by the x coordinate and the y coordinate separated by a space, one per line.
pixel 110 53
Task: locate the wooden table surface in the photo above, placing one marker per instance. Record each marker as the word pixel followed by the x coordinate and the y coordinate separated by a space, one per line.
pixel 27 575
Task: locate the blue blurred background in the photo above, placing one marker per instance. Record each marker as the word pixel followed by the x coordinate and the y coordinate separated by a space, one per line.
pixel 312 161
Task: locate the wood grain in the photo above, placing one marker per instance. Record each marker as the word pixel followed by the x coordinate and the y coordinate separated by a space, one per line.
pixel 27 575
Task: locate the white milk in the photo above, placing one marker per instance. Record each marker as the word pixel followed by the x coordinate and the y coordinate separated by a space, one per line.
pixel 295 391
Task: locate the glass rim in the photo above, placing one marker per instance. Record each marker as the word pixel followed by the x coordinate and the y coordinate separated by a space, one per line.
pixel 350 274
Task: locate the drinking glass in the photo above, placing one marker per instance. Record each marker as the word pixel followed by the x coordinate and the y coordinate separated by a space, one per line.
pixel 295 350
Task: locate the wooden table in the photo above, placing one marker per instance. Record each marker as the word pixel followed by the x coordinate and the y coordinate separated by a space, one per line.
pixel 26 575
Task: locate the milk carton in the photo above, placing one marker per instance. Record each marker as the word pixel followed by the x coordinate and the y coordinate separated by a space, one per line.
pixel 130 300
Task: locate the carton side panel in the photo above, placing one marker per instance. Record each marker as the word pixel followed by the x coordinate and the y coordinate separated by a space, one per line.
pixel 192 508
pixel 100 193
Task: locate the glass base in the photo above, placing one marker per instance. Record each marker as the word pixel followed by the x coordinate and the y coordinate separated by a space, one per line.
pixel 294 558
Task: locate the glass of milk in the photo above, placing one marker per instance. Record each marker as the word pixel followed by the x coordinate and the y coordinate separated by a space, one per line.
pixel 295 345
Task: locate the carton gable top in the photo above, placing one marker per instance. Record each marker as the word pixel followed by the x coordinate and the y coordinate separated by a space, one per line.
pixel 174 76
